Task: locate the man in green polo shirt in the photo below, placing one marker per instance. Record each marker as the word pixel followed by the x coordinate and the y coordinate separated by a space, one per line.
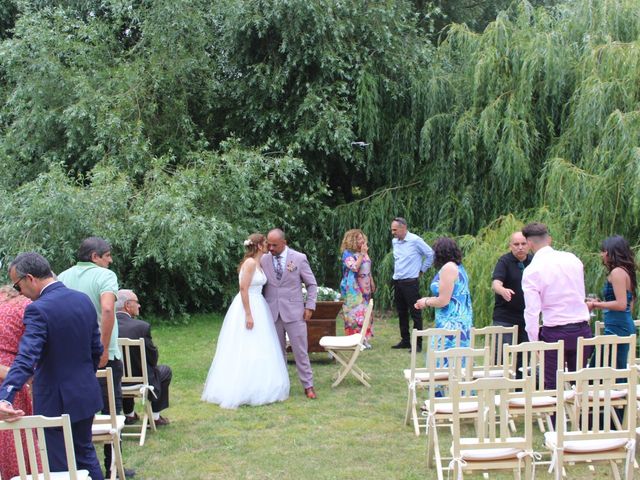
pixel 91 275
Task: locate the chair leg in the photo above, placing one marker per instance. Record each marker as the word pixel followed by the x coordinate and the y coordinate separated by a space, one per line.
pixel 436 452
pixel 143 428
pixel 559 467
pixel 116 457
pixel 407 412
pixel 528 468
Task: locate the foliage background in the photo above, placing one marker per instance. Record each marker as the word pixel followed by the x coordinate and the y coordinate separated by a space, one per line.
pixel 175 128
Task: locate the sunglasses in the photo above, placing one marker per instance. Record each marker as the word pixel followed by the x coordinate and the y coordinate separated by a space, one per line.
pixel 16 285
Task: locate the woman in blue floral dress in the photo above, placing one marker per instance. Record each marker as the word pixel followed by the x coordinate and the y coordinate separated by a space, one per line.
pixel 357 284
pixel 450 287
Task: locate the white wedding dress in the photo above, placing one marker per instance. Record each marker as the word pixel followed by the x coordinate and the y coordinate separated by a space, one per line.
pixel 248 367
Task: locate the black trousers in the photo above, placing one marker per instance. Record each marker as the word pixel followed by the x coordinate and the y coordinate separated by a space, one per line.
pixel 406 294
pixel 117 370
pixel 157 404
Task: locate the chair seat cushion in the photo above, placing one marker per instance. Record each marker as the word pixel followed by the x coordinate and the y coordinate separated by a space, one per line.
pixel 425 376
pixel 493 373
pixel 346 341
pixel 447 407
pixel 498 453
pixel 105 428
pixel 82 475
pixel 535 401
pixel 132 389
pixel 585 446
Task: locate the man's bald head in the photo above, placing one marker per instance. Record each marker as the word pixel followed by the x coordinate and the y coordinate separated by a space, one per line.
pixel 276 241
pixel 518 246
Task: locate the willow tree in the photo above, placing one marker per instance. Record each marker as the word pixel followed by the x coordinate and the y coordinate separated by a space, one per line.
pixel 537 115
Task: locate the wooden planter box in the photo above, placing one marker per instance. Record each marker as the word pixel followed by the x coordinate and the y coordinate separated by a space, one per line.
pixel 323 322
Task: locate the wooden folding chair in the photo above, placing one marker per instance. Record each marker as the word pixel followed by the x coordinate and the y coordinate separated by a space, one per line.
pixel 492 447
pixel 137 386
pixel 106 429
pixel 599 330
pixel 33 426
pixel 605 353
pixel 459 365
pixel 543 401
pixel 346 349
pixel 417 376
pixel 493 337
pixel 593 439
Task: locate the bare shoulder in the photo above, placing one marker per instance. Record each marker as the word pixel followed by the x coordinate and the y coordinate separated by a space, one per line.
pixel 450 268
pixel 618 273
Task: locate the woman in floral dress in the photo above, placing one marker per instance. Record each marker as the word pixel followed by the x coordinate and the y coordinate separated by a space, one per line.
pixel 12 306
pixel 357 283
pixel 450 287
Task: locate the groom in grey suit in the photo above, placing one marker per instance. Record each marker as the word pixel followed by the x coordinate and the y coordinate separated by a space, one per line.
pixel 286 270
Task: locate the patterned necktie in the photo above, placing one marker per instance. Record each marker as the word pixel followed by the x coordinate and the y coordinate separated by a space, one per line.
pixel 278 266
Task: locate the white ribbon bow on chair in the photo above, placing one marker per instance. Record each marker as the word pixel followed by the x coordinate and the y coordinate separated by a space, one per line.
pixel 452 464
pixel 534 456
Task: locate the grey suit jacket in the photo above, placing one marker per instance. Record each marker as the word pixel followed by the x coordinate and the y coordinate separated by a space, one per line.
pixel 284 296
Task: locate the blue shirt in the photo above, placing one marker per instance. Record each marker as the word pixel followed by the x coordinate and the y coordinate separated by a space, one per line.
pixel 411 256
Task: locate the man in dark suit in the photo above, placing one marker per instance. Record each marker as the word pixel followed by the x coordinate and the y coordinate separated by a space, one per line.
pixel 61 349
pixel 129 326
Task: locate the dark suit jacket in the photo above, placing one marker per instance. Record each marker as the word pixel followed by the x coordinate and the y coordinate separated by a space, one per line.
pixel 134 329
pixel 61 349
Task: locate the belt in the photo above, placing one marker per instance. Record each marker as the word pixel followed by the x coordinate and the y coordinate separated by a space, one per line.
pixel 569 326
pixel 404 281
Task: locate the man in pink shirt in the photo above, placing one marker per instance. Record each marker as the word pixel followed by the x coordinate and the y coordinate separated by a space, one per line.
pixel 553 284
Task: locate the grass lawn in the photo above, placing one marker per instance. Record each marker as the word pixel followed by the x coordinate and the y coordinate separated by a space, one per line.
pixel 351 432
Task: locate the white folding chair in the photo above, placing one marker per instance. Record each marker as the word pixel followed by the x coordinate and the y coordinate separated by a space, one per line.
pixel 459 365
pixel 137 386
pixel 543 401
pixel 31 427
pixel 106 429
pixel 493 338
pixel 417 375
pixel 492 447
pixel 592 438
pixel 346 349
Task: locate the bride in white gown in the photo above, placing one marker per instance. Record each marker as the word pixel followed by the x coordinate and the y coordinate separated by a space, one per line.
pixel 248 367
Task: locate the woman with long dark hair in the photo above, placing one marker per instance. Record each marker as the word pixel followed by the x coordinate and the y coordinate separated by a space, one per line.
pixel 450 287
pixel 619 292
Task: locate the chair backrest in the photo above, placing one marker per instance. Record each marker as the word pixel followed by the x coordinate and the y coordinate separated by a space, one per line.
pixel 32 427
pixel 599 330
pixel 596 390
pixel 131 348
pixel 111 399
pixel 433 339
pixel 493 338
pixel 606 349
pixel 533 362
pixel 493 396
pixel 457 365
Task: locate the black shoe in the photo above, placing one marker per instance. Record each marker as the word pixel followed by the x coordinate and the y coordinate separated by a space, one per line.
pixel 418 349
pixel 402 344
pixel 131 420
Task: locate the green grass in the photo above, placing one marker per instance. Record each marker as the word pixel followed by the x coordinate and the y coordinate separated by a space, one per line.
pixel 351 432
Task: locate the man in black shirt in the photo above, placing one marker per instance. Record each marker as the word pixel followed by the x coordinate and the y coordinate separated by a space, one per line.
pixel 507 285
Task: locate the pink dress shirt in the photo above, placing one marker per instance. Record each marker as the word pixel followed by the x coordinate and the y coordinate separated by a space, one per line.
pixel 553 284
